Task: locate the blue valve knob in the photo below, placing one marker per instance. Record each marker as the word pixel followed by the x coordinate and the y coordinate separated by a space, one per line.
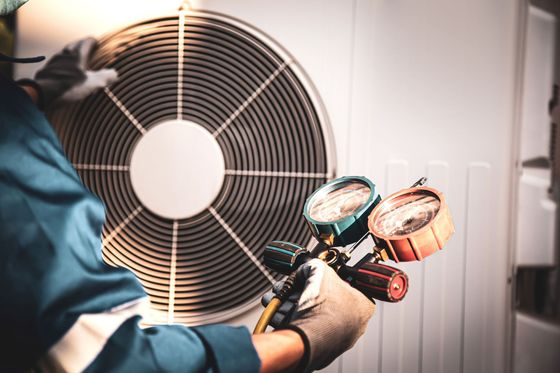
pixel 284 257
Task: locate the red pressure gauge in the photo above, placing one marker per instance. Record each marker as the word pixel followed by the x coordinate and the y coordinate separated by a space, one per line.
pixel 412 223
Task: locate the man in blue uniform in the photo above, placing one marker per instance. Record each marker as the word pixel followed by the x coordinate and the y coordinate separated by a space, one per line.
pixel 64 310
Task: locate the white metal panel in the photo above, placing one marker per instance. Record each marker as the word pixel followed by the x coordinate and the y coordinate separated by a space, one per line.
pixel 477 276
pixel 536 220
pixel 531 336
pixel 453 284
pixel 434 80
pixel 412 319
pixel 537 83
pixel 536 212
pixel 433 297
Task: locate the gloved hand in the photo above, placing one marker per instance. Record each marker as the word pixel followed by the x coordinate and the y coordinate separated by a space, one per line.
pixel 326 311
pixel 65 78
pixel 8 6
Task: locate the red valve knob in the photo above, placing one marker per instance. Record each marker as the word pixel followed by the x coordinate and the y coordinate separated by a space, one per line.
pixel 379 281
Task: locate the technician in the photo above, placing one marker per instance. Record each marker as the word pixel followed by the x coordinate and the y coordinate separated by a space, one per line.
pixel 63 310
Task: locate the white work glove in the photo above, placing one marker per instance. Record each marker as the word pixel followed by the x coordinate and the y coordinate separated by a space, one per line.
pixel 8 6
pixel 66 78
pixel 328 314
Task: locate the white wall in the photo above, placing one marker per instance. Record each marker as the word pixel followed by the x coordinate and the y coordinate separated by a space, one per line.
pixel 536 340
pixel 532 334
pixel 434 83
pixel 412 88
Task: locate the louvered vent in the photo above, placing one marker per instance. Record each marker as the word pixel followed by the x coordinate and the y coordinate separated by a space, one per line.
pixel 231 86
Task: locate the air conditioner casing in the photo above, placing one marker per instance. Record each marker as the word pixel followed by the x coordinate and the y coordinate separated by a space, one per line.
pixel 411 89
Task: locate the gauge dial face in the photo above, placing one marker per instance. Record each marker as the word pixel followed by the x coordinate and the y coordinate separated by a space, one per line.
pixel 338 203
pixel 406 214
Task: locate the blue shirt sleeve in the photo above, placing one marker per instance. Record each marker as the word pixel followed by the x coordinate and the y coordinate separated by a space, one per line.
pixel 231 349
pixel 51 269
pixel 174 348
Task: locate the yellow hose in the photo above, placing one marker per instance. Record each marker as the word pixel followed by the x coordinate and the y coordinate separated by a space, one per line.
pixel 267 315
pixel 276 302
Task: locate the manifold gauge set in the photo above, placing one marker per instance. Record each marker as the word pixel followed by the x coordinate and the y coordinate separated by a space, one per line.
pixel 408 225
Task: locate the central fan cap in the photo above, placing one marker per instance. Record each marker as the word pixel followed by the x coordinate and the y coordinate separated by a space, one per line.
pixel 177 169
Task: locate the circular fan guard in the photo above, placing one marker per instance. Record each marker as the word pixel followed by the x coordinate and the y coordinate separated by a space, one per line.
pixel 256 101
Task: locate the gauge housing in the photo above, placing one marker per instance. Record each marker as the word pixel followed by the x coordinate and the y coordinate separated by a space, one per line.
pixel 418 242
pixel 351 225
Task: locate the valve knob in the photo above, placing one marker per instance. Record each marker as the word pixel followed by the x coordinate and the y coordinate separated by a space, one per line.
pixel 379 281
pixel 284 257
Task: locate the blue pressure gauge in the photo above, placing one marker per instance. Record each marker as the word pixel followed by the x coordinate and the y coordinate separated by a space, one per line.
pixel 338 211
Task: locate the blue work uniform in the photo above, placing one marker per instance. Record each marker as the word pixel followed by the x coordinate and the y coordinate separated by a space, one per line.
pixel 61 307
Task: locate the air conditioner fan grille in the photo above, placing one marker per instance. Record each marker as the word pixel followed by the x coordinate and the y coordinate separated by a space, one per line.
pixel 240 87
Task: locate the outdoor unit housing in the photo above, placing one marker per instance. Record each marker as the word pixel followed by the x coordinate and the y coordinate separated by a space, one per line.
pixel 391 90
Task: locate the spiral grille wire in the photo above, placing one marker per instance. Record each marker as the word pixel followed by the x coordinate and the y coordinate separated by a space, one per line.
pixel 222 75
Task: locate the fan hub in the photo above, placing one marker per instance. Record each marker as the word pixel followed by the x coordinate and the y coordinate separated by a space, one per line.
pixel 177 169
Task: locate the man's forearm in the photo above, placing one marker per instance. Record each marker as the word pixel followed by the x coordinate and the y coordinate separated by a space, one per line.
pixel 279 351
